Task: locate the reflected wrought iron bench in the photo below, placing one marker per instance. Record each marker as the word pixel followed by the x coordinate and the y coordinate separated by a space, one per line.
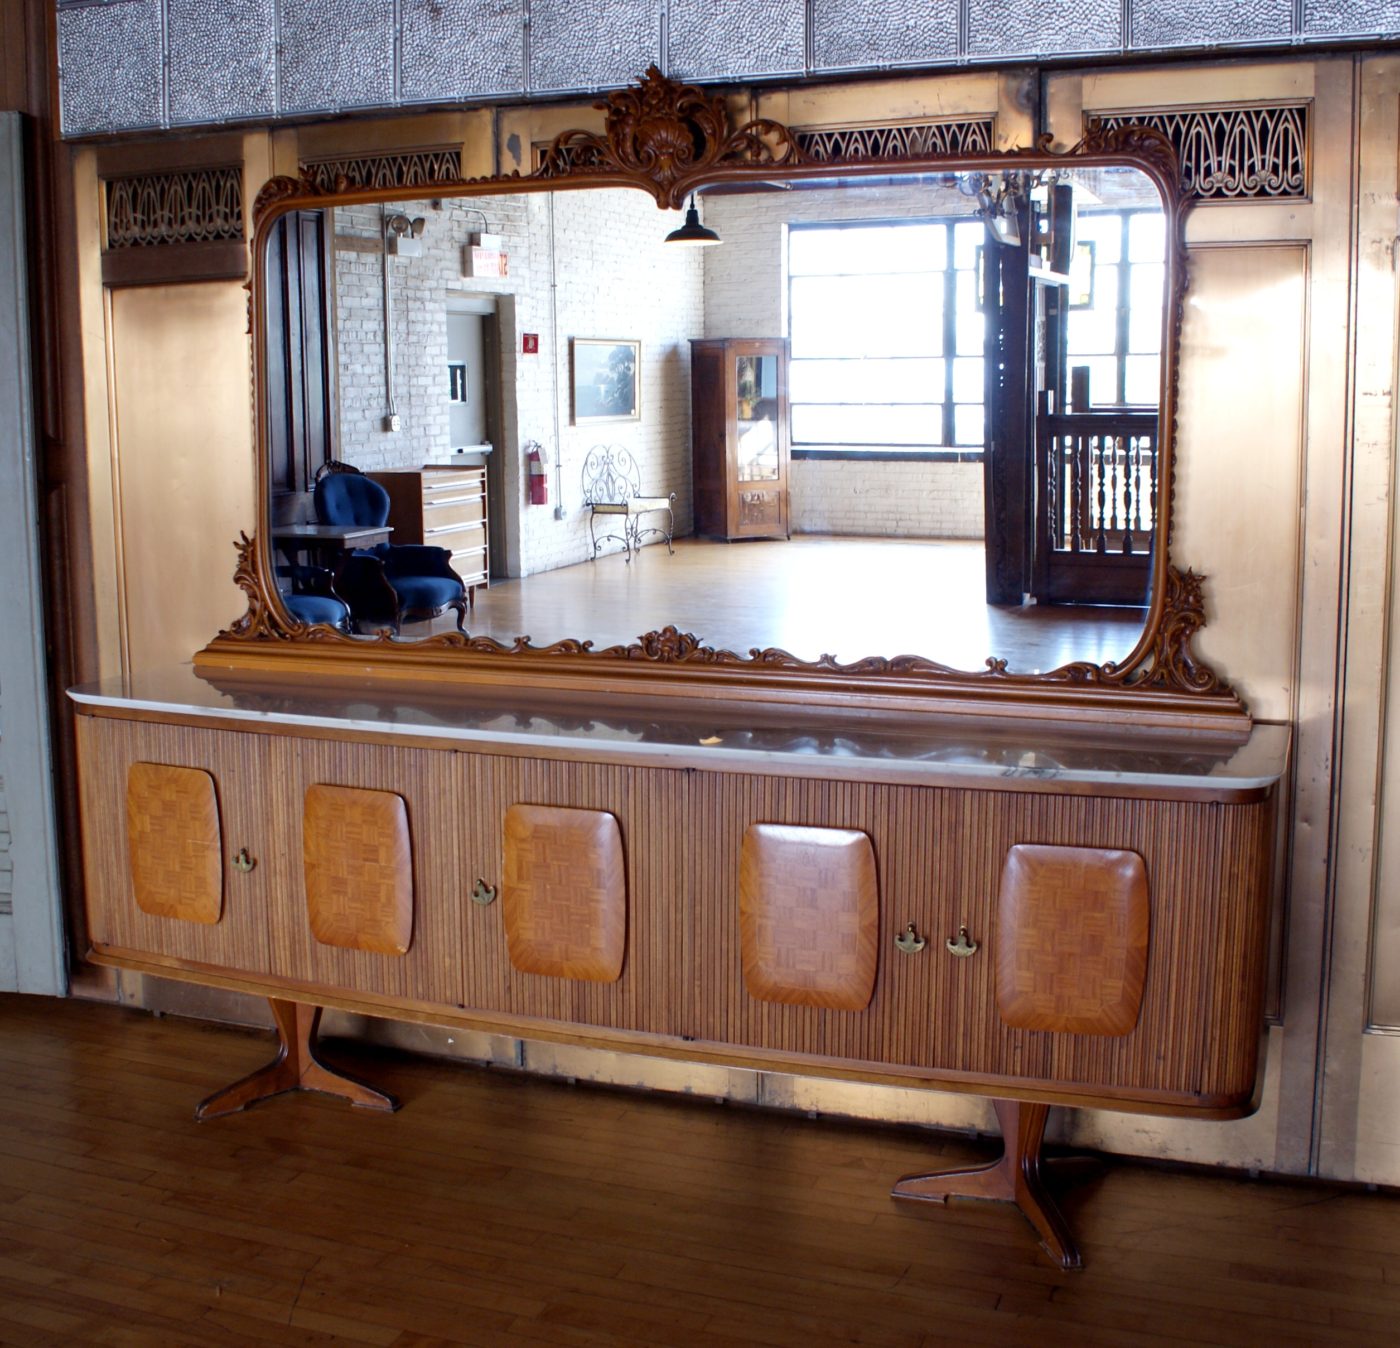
pixel 612 490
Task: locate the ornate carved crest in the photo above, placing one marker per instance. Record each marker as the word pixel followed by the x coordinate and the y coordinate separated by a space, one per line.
pixel 669 133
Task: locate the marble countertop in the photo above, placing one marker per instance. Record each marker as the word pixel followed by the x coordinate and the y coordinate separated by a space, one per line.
pixel 742 738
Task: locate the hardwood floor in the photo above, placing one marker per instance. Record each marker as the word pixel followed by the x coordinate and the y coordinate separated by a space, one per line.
pixel 494 1209
pixel 851 597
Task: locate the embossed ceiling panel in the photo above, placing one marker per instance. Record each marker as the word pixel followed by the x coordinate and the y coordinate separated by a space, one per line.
pixel 336 54
pixel 462 49
pixel 750 37
pixel 883 32
pixel 1188 23
pixel 128 65
pixel 592 47
pixel 109 59
pixel 1346 17
pixel 223 59
pixel 1043 27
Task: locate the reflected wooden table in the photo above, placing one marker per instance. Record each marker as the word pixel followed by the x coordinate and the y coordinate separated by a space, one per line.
pixel 324 544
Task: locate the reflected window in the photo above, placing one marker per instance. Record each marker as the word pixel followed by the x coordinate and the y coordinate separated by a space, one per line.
pixel 886 337
pixel 1117 334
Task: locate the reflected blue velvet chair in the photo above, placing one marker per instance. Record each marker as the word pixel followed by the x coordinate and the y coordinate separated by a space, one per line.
pixel 392 582
pixel 318 608
pixel 347 496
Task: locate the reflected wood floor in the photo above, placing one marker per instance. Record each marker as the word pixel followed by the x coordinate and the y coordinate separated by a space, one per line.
pixel 850 597
pixel 499 1210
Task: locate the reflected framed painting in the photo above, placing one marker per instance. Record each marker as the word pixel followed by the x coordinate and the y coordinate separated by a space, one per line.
pixel 604 375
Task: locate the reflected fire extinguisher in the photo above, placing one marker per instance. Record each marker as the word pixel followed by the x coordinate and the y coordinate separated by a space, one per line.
pixel 539 480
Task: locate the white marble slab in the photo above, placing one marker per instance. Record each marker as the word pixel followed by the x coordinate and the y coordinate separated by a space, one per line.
pixel 718 738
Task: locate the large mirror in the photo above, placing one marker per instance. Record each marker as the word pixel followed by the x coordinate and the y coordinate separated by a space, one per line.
pixel 901 420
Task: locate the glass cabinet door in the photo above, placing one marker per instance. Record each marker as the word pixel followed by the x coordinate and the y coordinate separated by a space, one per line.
pixel 756 416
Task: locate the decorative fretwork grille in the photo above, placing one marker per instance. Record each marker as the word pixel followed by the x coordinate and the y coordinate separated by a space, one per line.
pixel 566 158
pixel 407 168
pixel 192 206
pixel 1232 154
pixel 911 140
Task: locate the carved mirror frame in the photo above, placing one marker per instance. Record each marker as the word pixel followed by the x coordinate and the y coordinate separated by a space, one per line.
pixel 669 139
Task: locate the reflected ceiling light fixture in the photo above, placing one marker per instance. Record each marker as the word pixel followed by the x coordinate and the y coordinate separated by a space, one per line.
pixel 998 200
pixel 693 233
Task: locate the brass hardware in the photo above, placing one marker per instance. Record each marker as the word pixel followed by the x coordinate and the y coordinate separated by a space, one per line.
pixel 910 941
pixel 483 893
pixel 243 862
pixel 963 946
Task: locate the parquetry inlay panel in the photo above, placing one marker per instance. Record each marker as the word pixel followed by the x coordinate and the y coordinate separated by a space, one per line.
pixel 359 869
pixel 1071 939
pixel 565 892
pixel 809 916
pixel 172 821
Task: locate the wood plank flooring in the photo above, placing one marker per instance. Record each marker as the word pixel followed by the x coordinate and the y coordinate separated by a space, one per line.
pixel 499 1210
pixel 850 597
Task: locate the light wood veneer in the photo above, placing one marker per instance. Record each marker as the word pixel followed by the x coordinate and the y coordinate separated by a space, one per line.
pixel 1113 951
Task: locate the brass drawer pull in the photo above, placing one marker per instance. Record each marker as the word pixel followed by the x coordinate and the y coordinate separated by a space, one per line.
pixel 243 862
pixel 963 946
pixel 909 941
pixel 483 893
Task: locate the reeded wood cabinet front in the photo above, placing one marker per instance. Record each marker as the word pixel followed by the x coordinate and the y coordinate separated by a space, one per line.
pixel 849 927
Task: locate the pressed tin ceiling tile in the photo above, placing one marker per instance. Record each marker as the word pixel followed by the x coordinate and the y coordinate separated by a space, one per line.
pixel 601 46
pixel 743 37
pixel 1188 23
pixel 883 32
pixel 223 61
pixel 462 49
pixel 997 28
pixel 336 54
pixel 1344 17
pixel 109 59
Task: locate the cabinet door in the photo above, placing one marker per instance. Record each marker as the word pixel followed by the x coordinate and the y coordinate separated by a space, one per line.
pixel 371 905
pixel 756 386
pixel 939 858
pixel 545 837
pixel 168 815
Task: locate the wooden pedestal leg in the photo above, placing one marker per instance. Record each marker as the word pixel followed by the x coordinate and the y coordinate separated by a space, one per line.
pixel 295 1068
pixel 1015 1178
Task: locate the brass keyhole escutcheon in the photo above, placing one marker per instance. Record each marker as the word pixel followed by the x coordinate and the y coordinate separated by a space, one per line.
pixel 963 945
pixel 909 941
pixel 483 893
pixel 243 862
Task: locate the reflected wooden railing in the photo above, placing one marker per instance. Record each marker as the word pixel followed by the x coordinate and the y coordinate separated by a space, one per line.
pixel 1096 483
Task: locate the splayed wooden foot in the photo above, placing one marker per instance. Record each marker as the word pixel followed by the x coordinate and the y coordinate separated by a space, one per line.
pixel 1015 1178
pixel 295 1068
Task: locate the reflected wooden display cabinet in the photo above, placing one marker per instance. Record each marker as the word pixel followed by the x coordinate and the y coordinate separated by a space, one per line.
pixel 739 437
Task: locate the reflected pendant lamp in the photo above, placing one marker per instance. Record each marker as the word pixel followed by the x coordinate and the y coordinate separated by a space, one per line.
pixel 693 232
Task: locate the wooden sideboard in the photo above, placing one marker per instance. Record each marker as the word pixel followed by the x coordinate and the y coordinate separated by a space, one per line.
pixel 1042 923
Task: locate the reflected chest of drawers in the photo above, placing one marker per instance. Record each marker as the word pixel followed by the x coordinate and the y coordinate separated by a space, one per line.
pixel 444 507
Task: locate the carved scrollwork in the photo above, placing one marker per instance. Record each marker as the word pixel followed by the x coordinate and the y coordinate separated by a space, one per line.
pixel 284 187
pixel 1183 615
pixel 261 622
pixel 668 133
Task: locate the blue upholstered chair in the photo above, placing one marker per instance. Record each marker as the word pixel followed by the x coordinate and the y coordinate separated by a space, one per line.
pixel 318 608
pixel 347 496
pixel 389 583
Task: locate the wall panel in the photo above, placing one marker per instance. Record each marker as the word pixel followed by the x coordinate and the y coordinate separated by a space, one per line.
pixel 182 445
